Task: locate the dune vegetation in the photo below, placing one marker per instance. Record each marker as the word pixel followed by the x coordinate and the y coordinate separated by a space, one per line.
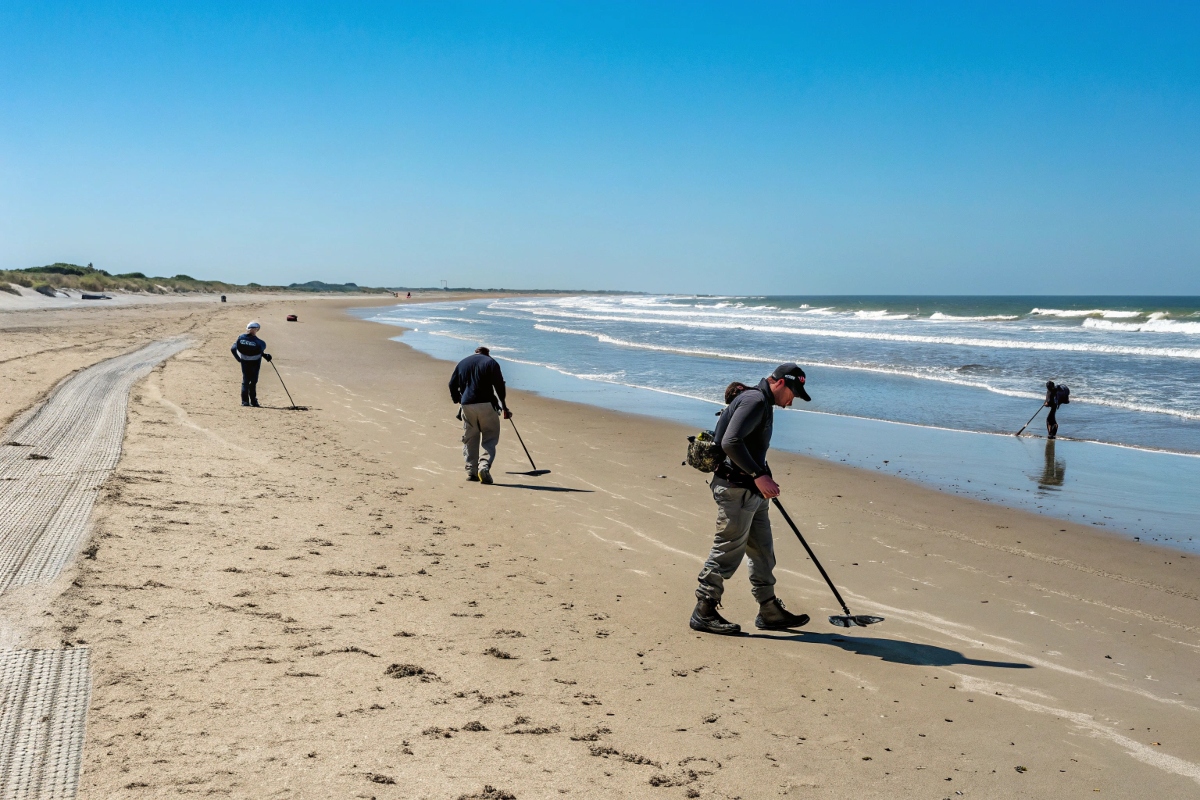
pixel 53 277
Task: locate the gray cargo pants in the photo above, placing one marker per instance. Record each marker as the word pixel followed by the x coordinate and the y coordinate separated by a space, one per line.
pixel 480 421
pixel 743 527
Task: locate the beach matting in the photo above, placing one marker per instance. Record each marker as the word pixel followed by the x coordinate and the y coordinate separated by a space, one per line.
pixel 52 462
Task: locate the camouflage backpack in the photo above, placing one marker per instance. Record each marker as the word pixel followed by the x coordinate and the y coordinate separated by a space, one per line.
pixel 704 453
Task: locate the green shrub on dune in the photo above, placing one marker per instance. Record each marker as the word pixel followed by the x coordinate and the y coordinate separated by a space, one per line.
pixel 61 275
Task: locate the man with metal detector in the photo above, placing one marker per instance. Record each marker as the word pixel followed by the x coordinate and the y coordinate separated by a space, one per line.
pixel 742 487
pixel 249 350
pixel 477 385
pixel 1054 398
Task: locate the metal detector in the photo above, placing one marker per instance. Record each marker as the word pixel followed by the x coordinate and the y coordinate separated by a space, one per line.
pixel 1027 424
pixel 285 390
pixel 849 620
pixel 535 471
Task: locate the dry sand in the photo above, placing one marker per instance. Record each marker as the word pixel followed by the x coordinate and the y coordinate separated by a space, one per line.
pixel 316 604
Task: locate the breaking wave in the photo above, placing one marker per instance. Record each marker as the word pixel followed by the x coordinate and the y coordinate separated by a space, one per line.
pixel 994 318
pixel 1095 312
pixel 962 341
pixel 1156 324
pixel 932 374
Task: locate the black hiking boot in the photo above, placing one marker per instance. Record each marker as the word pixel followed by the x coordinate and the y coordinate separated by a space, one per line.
pixel 707 619
pixel 485 476
pixel 772 616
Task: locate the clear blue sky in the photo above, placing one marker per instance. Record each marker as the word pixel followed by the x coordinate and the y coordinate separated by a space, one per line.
pixel 693 147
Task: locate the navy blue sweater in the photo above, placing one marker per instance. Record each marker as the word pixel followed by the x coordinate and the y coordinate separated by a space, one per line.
pixel 477 379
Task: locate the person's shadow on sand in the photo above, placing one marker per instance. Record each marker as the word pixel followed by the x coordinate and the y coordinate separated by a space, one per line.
pixel 894 650
pixel 539 488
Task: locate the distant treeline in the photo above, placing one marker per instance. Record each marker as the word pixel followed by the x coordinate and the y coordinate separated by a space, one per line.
pixel 52 277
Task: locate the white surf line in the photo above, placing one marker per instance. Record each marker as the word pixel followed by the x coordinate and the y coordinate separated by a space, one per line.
pixel 655 542
pixel 1142 752
pixel 943 626
pixel 44 516
pixel 620 545
pixel 594 486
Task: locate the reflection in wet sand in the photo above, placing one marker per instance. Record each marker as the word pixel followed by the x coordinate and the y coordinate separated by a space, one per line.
pixel 1054 470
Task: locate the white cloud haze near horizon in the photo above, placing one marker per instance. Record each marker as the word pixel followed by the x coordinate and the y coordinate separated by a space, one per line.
pixel 729 149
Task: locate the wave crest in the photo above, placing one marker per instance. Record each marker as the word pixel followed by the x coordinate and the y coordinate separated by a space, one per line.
pixel 1095 312
pixel 1156 324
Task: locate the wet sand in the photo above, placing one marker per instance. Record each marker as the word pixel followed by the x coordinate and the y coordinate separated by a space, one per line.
pixel 315 603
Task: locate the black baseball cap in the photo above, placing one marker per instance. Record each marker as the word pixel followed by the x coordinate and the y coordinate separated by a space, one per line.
pixel 793 376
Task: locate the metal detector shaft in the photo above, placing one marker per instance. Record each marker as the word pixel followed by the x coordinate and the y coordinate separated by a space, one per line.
pixel 1026 425
pixel 285 389
pixel 522 441
pixel 811 555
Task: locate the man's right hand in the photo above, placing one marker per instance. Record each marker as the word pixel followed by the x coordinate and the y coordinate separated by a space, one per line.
pixel 507 414
pixel 767 486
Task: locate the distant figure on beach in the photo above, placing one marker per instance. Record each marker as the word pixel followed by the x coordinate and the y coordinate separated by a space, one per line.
pixel 477 385
pixel 1053 401
pixel 742 487
pixel 409 296
pixel 249 350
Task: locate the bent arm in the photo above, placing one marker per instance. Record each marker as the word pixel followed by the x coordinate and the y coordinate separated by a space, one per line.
pixel 498 385
pixel 456 386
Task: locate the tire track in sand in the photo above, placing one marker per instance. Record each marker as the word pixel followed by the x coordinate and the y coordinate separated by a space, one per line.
pixel 53 461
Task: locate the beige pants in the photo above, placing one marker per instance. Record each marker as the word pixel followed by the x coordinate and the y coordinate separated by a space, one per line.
pixel 481 421
pixel 743 529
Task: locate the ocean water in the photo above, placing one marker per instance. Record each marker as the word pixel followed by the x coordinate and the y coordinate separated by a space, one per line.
pixel 939 384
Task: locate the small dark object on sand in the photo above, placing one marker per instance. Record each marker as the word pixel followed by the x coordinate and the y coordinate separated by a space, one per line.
pixel 36 457
pixel 375 777
pixel 292 318
pixel 489 793
pixel 407 671
pixel 496 652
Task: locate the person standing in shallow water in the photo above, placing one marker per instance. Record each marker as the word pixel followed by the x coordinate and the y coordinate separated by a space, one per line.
pixel 1051 403
pixel 250 350
pixel 477 385
pixel 742 488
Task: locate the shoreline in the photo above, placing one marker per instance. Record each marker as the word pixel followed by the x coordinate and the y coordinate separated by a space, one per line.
pixel 303 553
pixel 1124 489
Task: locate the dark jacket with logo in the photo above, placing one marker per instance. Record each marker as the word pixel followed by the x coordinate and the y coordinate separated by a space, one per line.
pixel 744 434
pixel 248 348
pixel 477 379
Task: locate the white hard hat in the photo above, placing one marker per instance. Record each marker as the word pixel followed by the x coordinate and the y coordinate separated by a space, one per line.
pixel 253 324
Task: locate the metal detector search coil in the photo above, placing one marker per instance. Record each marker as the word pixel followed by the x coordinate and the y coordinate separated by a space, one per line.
pixel 849 620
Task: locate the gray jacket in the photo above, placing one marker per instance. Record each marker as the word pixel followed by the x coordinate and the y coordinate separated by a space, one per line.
pixel 744 434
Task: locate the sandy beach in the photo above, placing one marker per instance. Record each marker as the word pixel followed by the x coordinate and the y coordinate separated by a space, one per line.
pixel 282 603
